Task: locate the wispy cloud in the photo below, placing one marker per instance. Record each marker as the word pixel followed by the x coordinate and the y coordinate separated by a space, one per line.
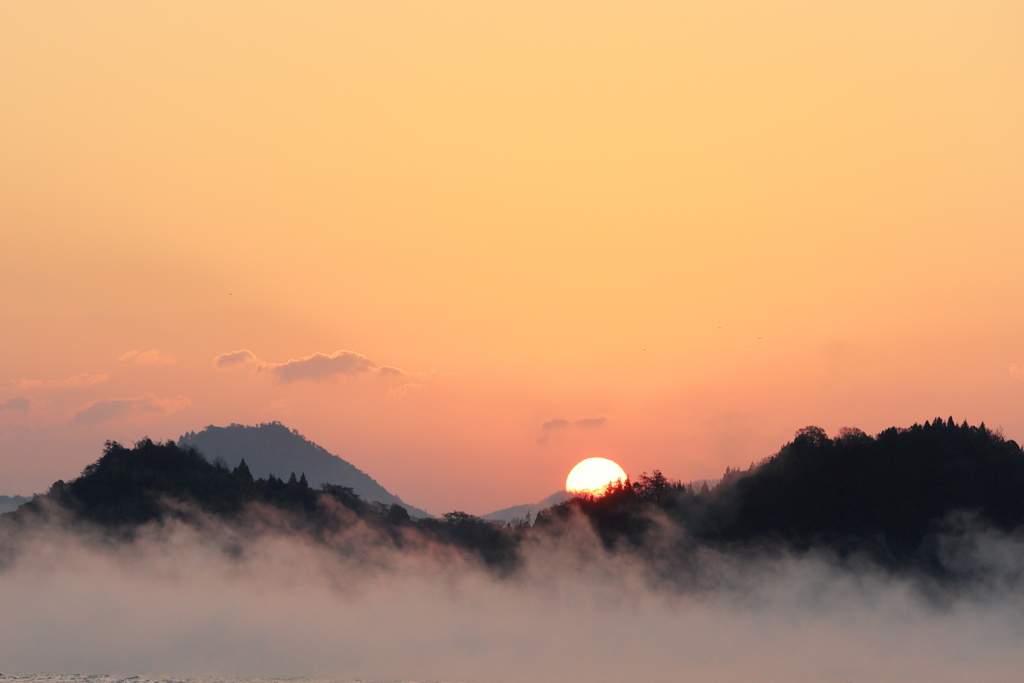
pixel 233 358
pixel 559 423
pixel 18 403
pixel 316 367
pixel 399 393
pixel 84 380
pixel 319 367
pixel 151 357
pixel 1016 371
pixel 140 406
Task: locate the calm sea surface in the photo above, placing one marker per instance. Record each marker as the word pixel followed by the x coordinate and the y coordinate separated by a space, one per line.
pixel 84 678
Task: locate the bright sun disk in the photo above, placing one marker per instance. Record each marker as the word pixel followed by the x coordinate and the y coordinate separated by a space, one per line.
pixel 593 476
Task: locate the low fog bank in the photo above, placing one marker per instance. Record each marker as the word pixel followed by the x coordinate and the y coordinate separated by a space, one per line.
pixel 898 557
pixel 206 599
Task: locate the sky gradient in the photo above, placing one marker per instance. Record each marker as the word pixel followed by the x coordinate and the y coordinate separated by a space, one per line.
pixel 465 245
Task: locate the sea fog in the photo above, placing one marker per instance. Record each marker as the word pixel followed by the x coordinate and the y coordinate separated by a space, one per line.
pixel 207 600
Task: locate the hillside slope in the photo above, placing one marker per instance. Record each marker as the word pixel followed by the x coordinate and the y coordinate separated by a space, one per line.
pixel 274 449
pixel 892 498
pixel 520 511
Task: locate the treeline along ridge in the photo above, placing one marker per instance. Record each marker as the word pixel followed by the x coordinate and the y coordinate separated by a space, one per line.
pixel 887 498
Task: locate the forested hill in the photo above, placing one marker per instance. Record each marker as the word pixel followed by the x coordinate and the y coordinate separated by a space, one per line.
pixel 897 484
pixel 273 449
pixel 156 482
pixel 889 498
pixel 884 496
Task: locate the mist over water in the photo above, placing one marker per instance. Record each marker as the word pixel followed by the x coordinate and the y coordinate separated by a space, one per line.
pixel 208 600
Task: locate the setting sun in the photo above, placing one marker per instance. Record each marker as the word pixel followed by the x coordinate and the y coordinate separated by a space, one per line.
pixel 593 476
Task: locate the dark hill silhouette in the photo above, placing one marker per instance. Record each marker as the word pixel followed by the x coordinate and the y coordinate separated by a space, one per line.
pixel 886 497
pixel 153 482
pixel 897 486
pixel 274 449
pixel 131 486
pixel 890 498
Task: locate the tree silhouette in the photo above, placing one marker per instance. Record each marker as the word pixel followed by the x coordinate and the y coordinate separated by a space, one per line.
pixel 883 497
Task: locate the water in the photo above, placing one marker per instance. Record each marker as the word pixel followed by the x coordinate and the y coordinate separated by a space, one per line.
pixel 98 678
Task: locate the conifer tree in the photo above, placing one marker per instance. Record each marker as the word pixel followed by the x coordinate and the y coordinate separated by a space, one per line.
pixel 242 472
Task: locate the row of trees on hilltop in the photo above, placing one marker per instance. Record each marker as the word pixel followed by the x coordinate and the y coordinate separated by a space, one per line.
pixel 152 482
pixel 881 496
pixel 131 486
pixel 897 486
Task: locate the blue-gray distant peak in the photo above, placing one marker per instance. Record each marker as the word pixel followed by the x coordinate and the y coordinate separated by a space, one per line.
pixel 520 511
pixel 274 449
pixel 11 503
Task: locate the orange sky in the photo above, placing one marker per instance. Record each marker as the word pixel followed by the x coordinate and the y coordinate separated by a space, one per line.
pixel 805 212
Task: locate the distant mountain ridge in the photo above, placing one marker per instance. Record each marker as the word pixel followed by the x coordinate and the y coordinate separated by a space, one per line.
pixel 272 448
pixel 11 503
pixel 520 511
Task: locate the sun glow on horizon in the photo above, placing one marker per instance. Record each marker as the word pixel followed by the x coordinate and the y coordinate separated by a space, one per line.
pixel 594 476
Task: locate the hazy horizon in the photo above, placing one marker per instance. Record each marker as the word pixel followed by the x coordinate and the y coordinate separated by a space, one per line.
pixel 464 246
